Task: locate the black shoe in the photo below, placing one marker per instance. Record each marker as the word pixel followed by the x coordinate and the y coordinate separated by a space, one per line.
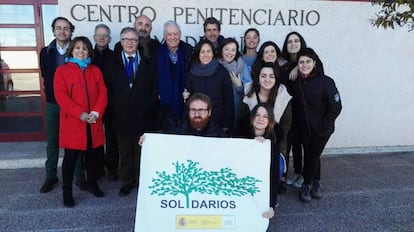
pixel 125 190
pixel 305 193
pixel 316 191
pixel 68 199
pixel 81 183
pixel 282 187
pixel 97 192
pixel 49 185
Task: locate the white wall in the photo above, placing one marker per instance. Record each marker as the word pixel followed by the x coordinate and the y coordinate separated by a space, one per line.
pixel 373 68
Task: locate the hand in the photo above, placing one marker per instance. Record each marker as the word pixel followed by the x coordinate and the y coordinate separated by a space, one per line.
pixel 235 79
pixel 281 61
pixel 92 118
pixel 141 140
pixel 186 95
pixel 293 74
pixel 260 139
pixel 269 213
pixel 84 117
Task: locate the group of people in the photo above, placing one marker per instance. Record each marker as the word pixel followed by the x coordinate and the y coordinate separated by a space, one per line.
pixel 99 97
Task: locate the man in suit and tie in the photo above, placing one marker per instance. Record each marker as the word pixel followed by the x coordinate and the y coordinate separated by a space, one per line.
pixel 133 97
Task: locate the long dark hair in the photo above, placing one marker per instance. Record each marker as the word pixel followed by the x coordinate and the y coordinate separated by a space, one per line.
pixel 258 63
pixel 229 41
pixel 270 129
pixel 285 53
pixel 245 33
pixel 195 59
pixel 256 85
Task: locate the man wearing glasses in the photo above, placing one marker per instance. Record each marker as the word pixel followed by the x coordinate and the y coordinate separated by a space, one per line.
pixel 147 46
pixel 133 98
pixel 199 122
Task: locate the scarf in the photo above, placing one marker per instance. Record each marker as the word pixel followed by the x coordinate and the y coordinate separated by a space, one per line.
pixel 171 85
pixel 236 66
pixel 81 63
pixel 205 70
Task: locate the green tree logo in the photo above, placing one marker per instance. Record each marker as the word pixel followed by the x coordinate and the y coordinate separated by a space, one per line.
pixel 189 178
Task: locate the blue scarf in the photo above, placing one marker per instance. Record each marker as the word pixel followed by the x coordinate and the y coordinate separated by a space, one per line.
pixel 171 85
pixel 81 63
pixel 205 70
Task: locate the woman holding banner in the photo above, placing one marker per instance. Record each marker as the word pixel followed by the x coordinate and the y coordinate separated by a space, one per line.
pixel 262 127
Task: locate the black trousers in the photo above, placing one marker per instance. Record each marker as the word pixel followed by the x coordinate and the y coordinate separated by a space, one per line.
pixel 274 175
pixel 313 147
pixel 111 147
pixel 295 143
pixel 91 159
pixel 129 159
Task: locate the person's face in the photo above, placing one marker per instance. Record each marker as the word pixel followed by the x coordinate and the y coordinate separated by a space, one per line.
pixel 129 42
pixel 306 64
pixel 212 32
pixel 229 52
pixel 80 51
pixel 144 26
pixel 206 54
pixel 293 44
pixel 102 37
pixel 172 37
pixel 269 54
pixel 199 114
pixel 62 31
pixel 261 119
pixel 267 78
pixel 251 40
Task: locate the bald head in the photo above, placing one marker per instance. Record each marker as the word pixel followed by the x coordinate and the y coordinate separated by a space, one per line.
pixel 143 25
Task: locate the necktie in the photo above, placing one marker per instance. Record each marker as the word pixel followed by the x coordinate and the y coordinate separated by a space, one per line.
pixel 131 68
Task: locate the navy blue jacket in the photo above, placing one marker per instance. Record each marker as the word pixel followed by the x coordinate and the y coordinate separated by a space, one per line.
pixel 48 64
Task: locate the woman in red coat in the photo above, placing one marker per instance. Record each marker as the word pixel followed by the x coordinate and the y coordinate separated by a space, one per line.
pixel 81 94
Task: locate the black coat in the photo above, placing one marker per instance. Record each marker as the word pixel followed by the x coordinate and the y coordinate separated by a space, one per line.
pixel 219 88
pixel 317 104
pixel 134 108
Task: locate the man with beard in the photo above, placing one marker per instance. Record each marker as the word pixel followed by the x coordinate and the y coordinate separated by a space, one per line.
pixel 199 123
pixel 147 46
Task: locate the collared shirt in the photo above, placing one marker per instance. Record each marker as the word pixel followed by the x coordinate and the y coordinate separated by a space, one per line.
pixel 61 50
pixel 173 55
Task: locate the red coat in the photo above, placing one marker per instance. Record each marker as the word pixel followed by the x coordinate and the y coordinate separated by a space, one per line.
pixel 78 92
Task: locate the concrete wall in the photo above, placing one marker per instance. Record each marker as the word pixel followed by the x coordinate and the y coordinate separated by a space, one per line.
pixel 373 68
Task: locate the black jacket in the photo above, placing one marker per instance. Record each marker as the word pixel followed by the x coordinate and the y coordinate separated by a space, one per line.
pixel 133 108
pixel 317 103
pixel 211 130
pixel 219 88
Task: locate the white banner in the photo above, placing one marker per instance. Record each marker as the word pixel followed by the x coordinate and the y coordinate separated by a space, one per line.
pixel 190 183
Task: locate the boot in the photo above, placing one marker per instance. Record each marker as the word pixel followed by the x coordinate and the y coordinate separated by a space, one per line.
pixel 93 188
pixel 67 196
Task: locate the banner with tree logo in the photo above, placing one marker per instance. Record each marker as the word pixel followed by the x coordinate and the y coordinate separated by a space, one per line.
pixel 190 183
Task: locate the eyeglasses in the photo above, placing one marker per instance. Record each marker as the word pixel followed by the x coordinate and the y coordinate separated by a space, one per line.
pixel 200 111
pixel 102 36
pixel 132 40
